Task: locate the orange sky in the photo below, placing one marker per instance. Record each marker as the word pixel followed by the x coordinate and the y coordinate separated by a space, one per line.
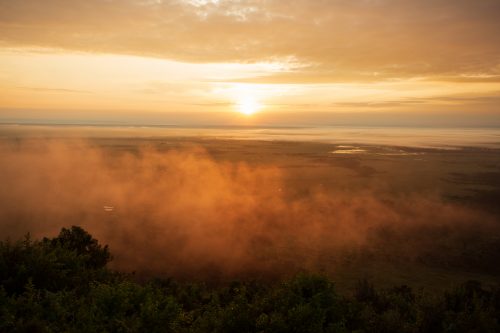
pixel 92 60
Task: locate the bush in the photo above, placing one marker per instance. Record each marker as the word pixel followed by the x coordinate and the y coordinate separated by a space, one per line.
pixel 72 260
pixel 62 285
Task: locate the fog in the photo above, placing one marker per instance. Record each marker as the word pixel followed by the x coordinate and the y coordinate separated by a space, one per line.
pixel 180 212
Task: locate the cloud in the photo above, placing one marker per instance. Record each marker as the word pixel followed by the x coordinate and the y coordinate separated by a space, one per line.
pixel 54 90
pixel 333 40
pixel 180 212
pixel 491 99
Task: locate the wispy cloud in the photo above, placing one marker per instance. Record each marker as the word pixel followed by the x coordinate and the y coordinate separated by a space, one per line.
pixel 55 90
pixel 453 40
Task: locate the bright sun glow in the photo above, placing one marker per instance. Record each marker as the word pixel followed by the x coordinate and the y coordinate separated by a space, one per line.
pixel 248 106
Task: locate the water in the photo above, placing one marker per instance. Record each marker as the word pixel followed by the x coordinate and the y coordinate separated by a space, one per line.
pixel 444 138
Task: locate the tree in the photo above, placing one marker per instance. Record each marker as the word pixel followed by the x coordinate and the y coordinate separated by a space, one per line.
pixel 78 240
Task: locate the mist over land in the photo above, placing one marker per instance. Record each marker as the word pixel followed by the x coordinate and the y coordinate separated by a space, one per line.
pixel 192 204
pixel 250 166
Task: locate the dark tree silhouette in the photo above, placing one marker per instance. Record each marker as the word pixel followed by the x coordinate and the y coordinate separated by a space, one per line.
pixel 78 240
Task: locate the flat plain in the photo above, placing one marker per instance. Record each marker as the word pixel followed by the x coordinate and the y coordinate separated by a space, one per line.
pixel 393 214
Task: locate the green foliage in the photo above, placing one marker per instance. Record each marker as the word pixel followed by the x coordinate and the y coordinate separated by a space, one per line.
pixel 62 285
pixel 72 260
pixel 82 244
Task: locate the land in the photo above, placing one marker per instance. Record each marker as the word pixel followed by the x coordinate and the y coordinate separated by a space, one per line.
pixel 434 255
pixel 466 176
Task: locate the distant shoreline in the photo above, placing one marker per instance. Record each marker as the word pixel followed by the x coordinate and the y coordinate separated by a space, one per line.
pixel 421 137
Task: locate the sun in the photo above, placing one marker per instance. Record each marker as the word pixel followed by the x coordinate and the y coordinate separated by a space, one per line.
pixel 248 106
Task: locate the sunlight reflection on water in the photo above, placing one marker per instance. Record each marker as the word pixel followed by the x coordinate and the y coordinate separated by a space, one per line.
pixel 443 138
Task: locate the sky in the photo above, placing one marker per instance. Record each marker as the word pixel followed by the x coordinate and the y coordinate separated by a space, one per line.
pixel 370 62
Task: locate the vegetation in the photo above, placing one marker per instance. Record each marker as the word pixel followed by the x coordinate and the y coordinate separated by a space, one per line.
pixel 63 285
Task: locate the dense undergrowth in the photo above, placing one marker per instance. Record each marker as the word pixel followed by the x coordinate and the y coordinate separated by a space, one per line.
pixel 63 285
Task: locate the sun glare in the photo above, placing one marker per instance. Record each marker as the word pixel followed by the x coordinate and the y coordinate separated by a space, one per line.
pixel 248 106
